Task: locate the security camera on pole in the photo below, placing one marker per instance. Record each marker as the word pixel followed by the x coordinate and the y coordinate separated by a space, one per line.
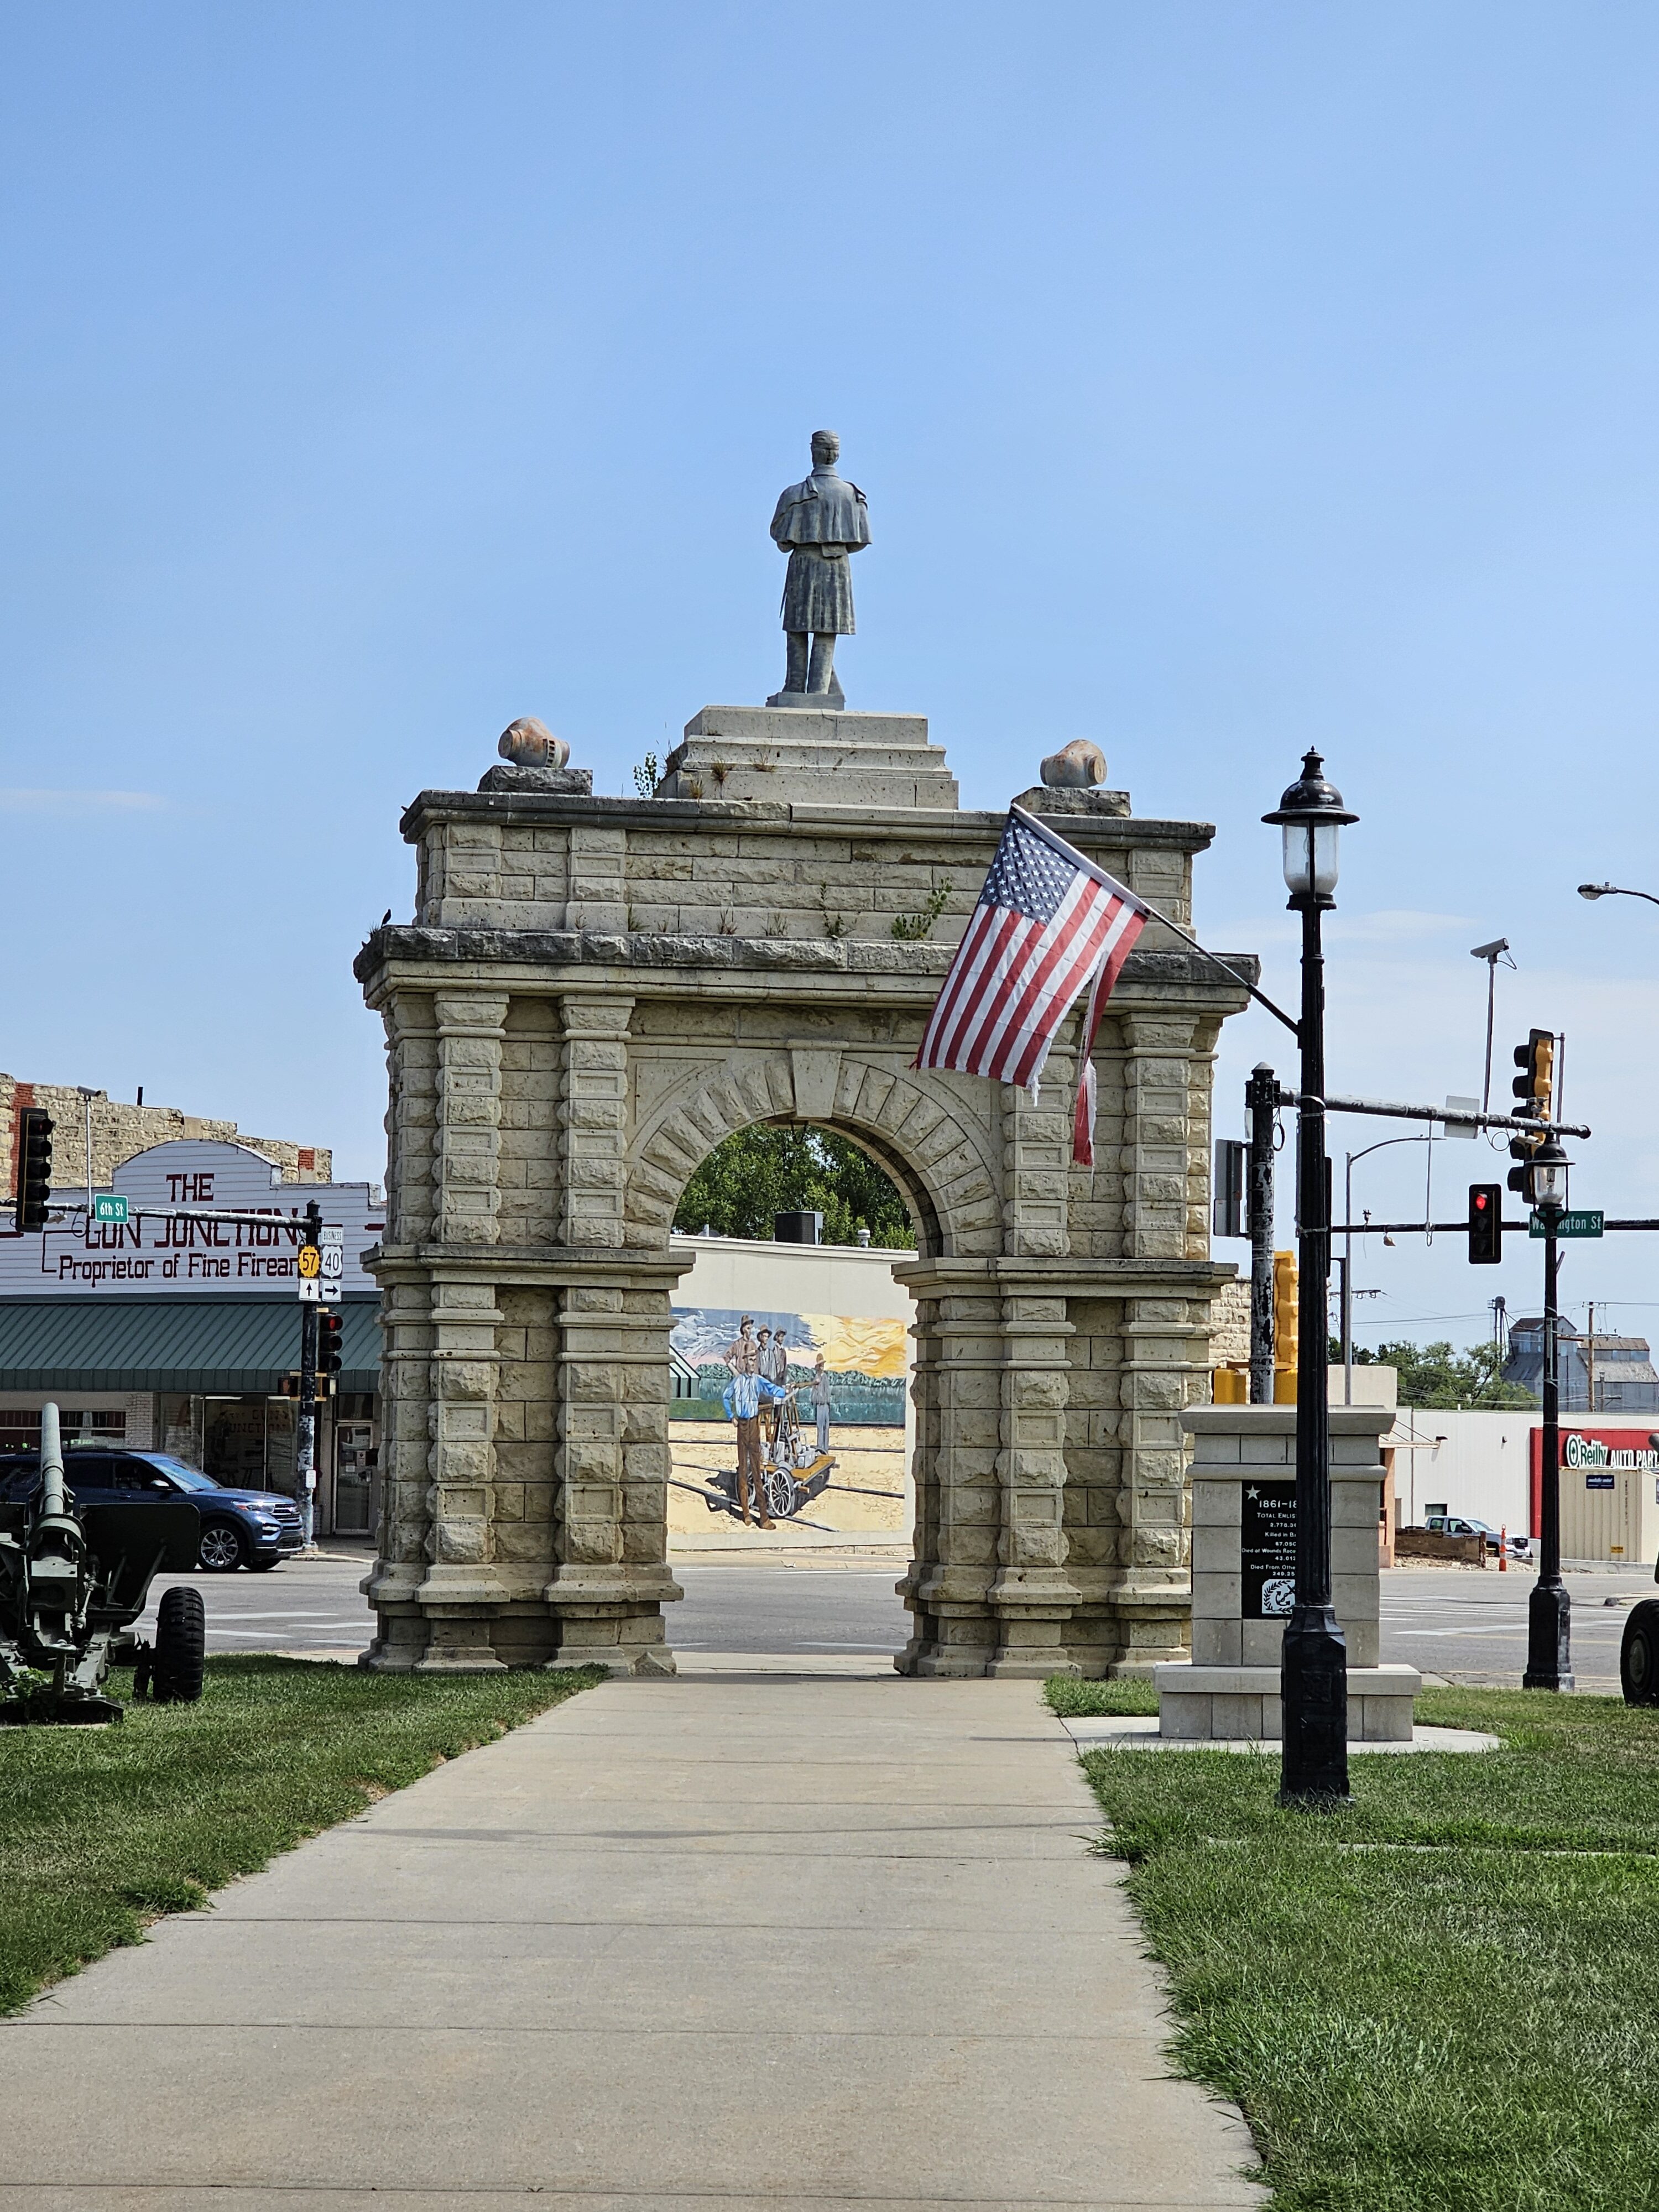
pixel 1313 1679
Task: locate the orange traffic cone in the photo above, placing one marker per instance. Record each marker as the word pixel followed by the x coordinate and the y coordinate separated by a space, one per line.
pixel 1502 1551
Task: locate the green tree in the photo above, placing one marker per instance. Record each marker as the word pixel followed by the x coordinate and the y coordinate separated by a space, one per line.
pixel 1435 1375
pixel 763 1170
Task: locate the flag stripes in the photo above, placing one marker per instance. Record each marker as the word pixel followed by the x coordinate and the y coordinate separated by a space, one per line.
pixel 1047 921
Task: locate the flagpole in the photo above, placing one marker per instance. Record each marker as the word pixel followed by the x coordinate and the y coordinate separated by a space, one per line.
pixel 1260 997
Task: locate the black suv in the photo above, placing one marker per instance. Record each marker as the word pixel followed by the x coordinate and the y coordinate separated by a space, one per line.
pixel 239 1528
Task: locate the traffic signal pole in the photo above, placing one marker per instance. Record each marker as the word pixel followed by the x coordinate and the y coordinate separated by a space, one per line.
pixel 1549 1607
pixel 1260 1099
pixel 306 1449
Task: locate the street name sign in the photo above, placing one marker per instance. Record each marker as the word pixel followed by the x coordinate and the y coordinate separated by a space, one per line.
pixel 1568 1224
pixel 109 1206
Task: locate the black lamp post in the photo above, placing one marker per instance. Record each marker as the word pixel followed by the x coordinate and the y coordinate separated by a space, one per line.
pixel 1549 1608
pixel 1314 1674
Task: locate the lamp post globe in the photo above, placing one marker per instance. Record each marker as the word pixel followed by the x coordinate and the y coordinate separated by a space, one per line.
pixel 1547 1169
pixel 1313 1670
pixel 1310 815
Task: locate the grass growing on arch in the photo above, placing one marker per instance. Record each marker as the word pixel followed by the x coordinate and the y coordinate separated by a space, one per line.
pixel 103 1829
pixel 1443 2000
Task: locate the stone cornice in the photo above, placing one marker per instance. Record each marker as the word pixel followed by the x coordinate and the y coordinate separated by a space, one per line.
pixel 525 1264
pixel 1070 1278
pixel 913 970
pixel 764 817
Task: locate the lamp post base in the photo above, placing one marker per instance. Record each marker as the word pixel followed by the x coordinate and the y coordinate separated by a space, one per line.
pixel 1549 1638
pixel 1314 1699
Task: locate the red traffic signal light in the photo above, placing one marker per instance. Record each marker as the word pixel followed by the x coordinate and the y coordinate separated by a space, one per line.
pixel 331 1328
pixel 1485 1224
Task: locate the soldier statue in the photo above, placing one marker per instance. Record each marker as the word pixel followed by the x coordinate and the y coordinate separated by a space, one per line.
pixel 818 523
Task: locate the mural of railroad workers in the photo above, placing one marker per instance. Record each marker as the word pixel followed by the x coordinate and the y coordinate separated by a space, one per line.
pixel 823 1447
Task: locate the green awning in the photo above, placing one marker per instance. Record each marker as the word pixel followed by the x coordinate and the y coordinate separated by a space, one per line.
pixel 218 1346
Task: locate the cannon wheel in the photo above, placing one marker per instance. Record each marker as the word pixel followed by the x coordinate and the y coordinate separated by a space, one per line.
pixel 176 1668
pixel 782 1495
pixel 1638 1654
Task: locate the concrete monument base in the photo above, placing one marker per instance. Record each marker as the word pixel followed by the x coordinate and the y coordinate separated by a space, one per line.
pixel 1233 1703
pixel 1243 1565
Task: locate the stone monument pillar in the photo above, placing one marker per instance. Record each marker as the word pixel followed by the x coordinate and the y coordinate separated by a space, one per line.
pixel 1244 1479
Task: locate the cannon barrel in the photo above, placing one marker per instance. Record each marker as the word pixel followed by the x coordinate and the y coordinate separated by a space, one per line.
pixel 52 1465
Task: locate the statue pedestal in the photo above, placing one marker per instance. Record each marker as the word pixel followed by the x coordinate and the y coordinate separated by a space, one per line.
pixel 796 755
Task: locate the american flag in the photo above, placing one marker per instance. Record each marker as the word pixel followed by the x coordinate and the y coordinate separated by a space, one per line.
pixel 1047 921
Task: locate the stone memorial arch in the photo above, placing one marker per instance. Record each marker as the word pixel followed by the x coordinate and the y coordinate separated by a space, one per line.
pixel 593 993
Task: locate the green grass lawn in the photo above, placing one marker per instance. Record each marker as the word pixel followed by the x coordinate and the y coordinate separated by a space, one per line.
pixel 102 1829
pixel 1446 1997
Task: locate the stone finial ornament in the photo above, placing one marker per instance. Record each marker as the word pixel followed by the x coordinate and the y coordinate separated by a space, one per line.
pixel 530 744
pixel 1077 767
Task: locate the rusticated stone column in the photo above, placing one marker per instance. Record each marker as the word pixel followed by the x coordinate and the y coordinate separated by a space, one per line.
pixel 466 1162
pixel 958 1494
pixel 1163 1337
pixel 1032 1592
pixel 593 1120
pixel 611 1579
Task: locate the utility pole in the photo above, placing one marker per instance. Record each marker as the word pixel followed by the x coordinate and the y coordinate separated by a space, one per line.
pixel 86 1097
pixel 1589 1361
pixel 1260 1099
pixel 305 1443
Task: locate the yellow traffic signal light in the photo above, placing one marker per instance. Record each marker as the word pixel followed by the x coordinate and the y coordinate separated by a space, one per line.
pixel 1534 1087
pixel 1286 1306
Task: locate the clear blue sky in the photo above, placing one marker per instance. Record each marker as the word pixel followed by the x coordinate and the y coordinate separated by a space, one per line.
pixel 1223 378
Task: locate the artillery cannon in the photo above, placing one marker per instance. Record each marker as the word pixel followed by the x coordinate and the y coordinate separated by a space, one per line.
pixel 72 1583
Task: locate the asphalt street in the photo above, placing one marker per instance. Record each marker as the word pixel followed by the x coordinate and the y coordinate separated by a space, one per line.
pixel 1457 1626
pixel 1469 1626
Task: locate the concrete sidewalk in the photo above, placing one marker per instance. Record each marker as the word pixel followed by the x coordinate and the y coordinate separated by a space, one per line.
pixel 733 1940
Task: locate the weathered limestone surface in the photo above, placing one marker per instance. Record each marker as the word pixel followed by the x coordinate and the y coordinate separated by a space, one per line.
pixel 592 994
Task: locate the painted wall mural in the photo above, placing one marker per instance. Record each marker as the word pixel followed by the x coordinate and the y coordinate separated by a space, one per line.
pixel 783 1417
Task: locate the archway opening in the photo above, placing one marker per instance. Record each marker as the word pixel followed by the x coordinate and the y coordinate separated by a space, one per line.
pixel 789 1527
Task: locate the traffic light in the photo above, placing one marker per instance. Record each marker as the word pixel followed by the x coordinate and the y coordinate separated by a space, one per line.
pixel 33 1166
pixel 1520 1179
pixel 329 1329
pixel 1285 1328
pixel 1485 1224
pixel 1535 1086
pixel 1227 1203
pixel 1534 1096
